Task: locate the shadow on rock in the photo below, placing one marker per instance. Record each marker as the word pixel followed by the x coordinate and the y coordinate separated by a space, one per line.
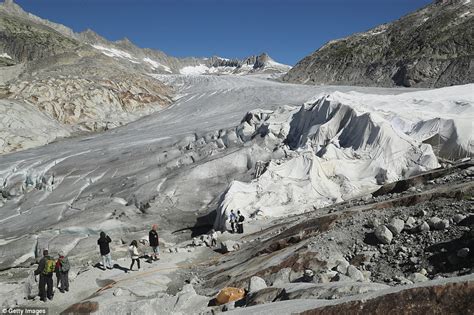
pixel 453 255
pixel 124 269
pixel 371 239
pixel 202 226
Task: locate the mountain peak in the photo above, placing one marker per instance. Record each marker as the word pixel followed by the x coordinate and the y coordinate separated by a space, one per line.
pixel 91 37
pixel 12 7
pixel 431 47
pixel 125 43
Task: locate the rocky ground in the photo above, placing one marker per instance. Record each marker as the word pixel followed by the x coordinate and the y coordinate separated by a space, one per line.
pixel 349 255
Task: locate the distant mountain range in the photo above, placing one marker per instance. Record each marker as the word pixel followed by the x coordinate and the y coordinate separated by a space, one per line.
pixel 26 37
pixel 432 47
pixel 55 82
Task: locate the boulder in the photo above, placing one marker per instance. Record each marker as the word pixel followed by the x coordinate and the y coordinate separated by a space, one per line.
pixel 342 266
pixel 422 213
pixel 396 226
pixel 229 246
pixel 432 222
pixel 282 277
pixel 187 301
pixel 417 277
pixel 229 294
pixel 255 284
pixel 410 222
pixel 442 225
pixel 355 274
pixel 383 234
pixel 458 218
pixel 373 223
pixel 423 227
pixel 196 242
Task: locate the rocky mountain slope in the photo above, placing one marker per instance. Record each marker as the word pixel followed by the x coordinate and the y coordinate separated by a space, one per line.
pixel 84 82
pixel 64 84
pixel 432 47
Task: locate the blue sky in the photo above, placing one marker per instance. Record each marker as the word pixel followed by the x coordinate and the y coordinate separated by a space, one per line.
pixel 287 30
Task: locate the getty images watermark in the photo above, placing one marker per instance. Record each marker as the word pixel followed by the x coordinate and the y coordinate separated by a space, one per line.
pixel 25 310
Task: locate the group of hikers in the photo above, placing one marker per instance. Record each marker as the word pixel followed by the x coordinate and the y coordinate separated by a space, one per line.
pixel 236 222
pixel 48 266
pixel 104 248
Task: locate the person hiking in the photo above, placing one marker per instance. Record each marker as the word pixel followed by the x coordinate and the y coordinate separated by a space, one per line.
pixel 133 250
pixel 154 242
pixel 62 271
pixel 233 220
pixel 45 271
pixel 103 243
pixel 58 275
pixel 213 235
pixel 240 223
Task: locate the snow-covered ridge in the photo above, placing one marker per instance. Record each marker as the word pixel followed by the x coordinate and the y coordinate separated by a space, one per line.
pixel 113 52
pixel 259 64
pixel 203 66
pixel 156 64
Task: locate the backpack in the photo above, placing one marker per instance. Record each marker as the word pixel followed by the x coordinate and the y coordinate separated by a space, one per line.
pixel 65 265
pixel 49 266
pixel 241 218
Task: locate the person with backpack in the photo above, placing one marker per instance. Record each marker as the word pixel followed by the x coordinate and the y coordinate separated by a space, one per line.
pixel 154 242
pixel 233 220
pixel 104 247
pixel 133 250
pixel 62 269
pixel 45 271
pixel 240 223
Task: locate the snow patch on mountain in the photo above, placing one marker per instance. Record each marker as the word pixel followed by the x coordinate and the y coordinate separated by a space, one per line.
pixel 273 64
pixel 194 70
pixel 5 55
pixel 117 53
pixel 156 64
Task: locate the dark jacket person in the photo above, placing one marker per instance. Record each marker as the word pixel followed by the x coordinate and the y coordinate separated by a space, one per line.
pixel 154 242
pixel 103 243
pixel 45 271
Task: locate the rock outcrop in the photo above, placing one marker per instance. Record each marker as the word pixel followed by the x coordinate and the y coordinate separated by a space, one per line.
pixel 449 298
pixel 431 47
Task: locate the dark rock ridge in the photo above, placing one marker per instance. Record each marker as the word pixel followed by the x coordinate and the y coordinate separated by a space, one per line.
pixel 450 298
pixel 26 39
pixel 431 47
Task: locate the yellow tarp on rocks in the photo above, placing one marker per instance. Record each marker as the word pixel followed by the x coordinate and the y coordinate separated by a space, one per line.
pixel 227 295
